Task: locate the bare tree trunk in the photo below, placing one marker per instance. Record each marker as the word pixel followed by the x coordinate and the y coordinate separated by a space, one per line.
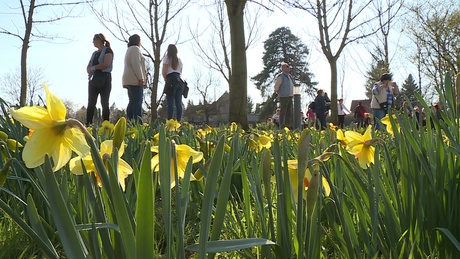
pixel 25 48
pixel 238 79
pixel 333 95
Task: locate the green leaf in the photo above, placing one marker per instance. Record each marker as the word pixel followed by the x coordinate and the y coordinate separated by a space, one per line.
pixel 36 224
pixel 208 197
pixel 70 239
pixel 451 237
pixel 145 209
pixel 230 245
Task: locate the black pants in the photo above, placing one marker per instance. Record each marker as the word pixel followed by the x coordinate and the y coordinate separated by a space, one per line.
pixel 341 121
pixel 94 90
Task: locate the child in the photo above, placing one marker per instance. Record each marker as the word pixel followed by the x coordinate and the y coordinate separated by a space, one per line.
pixel 311 117
pixel 367 119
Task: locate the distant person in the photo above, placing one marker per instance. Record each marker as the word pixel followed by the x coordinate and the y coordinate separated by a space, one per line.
pixel 276 118
pixel 328 103
pixel 99 73
pixel 134 78
pixel 367 120
pixel 383 93
pixel 320 110
pixel 174 86
pixel 406 109
pixel 311 115
pixel 359 114
pixel 284 87
pixel 342 111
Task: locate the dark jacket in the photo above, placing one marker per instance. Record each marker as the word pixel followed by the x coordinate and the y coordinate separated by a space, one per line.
pixel 320 104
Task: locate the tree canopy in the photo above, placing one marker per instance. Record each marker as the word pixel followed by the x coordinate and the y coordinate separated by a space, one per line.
pixel 283 46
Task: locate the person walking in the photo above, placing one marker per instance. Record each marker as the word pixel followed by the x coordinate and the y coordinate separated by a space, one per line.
pixel 383 93
pixel 100 78
pixel 284 87
pixel 342 111
pixel 174 86
pixel 134 78
pixel 359 115
pixel 320 109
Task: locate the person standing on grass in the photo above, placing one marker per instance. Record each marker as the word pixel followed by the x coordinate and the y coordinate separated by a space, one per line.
pixel 100 78
pixel 320 110
pixel 342 111
pixel 284 87
pixel 359 115
pixel 174 87
pixel 383 94
pixel 134 78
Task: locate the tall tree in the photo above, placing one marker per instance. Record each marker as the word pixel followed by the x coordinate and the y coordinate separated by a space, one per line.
pixel 435 28
pixel 340 23
pixel 376 70
pixel 408 88
pixel 238 82
pixel 283 46
pixel 34 13
pixel 11 86
pixel 153 20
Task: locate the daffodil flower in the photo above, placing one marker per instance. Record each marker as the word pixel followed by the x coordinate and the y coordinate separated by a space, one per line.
pixel 361 146
pixel 341 137
pixel 294 180
pixel 124 169
pixel 264 141
pixel 53 135
pixel 106 128
pixel 183 153
pixel 172 125
pixel 386 120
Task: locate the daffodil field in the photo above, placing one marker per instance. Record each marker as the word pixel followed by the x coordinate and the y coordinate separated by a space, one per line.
pixel 170 190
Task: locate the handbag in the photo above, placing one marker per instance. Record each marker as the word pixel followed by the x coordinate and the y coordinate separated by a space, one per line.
pixel 186 88
pixel 383 105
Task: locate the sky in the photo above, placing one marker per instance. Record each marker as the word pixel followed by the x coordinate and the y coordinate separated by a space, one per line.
pixel 64 62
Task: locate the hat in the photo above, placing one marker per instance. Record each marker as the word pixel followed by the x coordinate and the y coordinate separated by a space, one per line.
pixel 284 64
pixel 386 76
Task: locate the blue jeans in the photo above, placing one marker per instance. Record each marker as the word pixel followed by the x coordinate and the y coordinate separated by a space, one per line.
pixel 134 109
pixel 174 95
pixel 378 114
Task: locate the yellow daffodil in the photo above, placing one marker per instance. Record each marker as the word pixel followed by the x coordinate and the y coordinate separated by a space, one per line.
pixel 233 127
pixel 124 169
pixel 156 139
pixel 386 120
pixel 252 145
pixel 332 127
pixel 52 133
pixel 341 138
pixel 172 125
pixel 361 146
pixel 106 128
pixel 183 153
pixel 294 179
pixel 264 141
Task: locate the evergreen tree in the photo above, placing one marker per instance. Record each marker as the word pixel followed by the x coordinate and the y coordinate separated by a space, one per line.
pixel 373 75
pixel 407 91
pixel 283 46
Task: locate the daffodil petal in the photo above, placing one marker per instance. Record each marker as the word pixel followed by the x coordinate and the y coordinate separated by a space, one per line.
pixel 42 142
pixel 75 140
pixel 33 117
pixel 55 106
pixel 61 155
pixel 75 165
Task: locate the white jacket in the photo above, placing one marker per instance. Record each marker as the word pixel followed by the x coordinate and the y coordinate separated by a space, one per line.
pixel 134 69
